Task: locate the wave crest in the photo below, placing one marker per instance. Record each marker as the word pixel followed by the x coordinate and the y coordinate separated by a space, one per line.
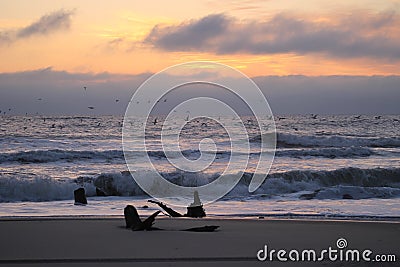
pixel 354 182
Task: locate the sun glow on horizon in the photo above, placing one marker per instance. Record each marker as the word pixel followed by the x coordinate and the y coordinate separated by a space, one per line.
pixel 129 38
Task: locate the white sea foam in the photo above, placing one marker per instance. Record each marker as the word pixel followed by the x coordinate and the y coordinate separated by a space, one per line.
pixel 359 183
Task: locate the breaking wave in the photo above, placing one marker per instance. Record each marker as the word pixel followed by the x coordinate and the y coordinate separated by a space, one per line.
pixel 54 155
pixel 349 183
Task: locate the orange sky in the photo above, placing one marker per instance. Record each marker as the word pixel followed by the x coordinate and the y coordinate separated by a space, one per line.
pixel 104 37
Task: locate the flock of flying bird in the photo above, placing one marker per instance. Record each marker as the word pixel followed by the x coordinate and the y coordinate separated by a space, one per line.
pixel 313 116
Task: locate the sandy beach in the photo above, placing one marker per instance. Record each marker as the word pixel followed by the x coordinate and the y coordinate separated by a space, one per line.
pixel 105 242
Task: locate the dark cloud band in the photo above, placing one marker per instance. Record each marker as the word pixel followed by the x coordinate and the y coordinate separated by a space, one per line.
pixel 358 35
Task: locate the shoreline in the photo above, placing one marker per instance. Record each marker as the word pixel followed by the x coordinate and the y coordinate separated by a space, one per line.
pixel 258 217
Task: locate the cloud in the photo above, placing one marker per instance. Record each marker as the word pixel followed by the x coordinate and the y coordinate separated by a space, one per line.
pixel 47 24
pixel 356 35
pixel 192 35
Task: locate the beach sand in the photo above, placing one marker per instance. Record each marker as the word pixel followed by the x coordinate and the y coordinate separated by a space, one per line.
pixel 84 241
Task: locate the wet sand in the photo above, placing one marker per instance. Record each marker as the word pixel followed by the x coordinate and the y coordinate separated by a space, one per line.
pixel 105 242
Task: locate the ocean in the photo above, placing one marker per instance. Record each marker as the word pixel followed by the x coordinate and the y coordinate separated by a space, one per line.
pixel 326 166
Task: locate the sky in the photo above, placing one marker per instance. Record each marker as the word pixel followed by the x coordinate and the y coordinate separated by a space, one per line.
pixel 307 56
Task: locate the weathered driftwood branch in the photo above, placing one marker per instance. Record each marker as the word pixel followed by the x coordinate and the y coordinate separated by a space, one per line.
pixel 134 222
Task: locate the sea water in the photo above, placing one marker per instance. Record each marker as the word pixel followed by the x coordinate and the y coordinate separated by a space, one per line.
pixel 324 166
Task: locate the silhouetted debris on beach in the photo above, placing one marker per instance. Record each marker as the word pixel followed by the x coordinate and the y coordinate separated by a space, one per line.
pixel 194 210
pixel 134 222
pixel 167 209
pixel 80 197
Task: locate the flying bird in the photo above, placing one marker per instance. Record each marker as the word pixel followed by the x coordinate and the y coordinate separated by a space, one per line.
pixel 116 100
pixel 90 107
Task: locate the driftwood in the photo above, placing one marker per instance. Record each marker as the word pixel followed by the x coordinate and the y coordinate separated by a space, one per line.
pixel 80 197
pixel 194 210
pixel 134 222
pixel 167 209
